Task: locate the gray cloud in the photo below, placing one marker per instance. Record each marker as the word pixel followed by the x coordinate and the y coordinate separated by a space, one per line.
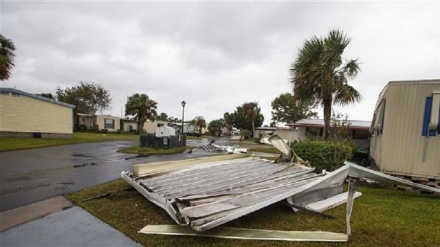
pixel 214 55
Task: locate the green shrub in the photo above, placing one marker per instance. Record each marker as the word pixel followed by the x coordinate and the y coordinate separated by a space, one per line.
pixel 245 133
pixel 327 155
pixel 258 138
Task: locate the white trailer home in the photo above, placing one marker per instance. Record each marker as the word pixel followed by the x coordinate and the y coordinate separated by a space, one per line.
pixel 406 130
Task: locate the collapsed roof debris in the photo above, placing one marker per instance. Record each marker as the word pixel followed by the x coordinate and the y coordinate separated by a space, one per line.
pixel 207 192
pixel 219 148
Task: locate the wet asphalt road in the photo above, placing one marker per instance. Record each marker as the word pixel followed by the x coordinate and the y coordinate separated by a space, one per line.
pixel 33 175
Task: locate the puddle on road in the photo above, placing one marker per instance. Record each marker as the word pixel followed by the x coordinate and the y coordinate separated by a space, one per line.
pixel 85 164
pixel 81 155
pixel 113 160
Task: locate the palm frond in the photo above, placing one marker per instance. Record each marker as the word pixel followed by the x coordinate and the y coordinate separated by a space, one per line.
pixel 346 95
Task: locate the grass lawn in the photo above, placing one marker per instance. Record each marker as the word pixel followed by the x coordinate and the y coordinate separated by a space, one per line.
pixel 152 151
pixel 10 144
pixel 381 217
pixel 255 147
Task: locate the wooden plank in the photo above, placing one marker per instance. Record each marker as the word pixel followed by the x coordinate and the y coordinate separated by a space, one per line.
pixel 331 202
pixel 249 234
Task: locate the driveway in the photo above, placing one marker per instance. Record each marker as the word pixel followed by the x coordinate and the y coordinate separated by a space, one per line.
pixel 33 175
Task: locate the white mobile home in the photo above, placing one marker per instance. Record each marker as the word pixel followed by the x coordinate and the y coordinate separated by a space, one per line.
pixel 315 127
pixel 406 130
pixel 29 115
pixel 108 122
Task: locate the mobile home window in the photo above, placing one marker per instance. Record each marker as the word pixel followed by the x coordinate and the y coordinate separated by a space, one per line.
pixel 109 123
pixel 431 116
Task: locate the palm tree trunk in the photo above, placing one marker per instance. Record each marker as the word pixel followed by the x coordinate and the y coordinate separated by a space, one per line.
pixel 140 127
pixel 327 115
pixel 253 128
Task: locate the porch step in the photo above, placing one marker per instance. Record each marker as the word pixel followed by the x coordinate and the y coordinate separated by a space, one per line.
pixel 331 202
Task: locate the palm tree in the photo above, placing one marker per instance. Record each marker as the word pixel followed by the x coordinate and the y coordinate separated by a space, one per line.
pixel 200 122
pixel 7 49
pixel 251 111
pixel 320 75
pixel 142 108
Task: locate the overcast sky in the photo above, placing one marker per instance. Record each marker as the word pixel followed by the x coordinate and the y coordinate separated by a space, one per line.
pixel 214 55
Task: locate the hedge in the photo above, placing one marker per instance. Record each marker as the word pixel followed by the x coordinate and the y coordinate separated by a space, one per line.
pixel 327 155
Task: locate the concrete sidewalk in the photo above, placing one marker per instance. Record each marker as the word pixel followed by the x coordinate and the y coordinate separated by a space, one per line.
pixel 60 227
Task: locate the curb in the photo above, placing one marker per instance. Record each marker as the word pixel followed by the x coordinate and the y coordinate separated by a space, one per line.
pixel 33 211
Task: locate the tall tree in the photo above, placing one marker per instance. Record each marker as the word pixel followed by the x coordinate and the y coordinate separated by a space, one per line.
pixel 240 120
pixel 87 97
pixel 287 109
pixel 7 49
pixel 141 107
pixel 200 122
pixel 320 75
pixel 251 111
pixel 228 121
pixel 215 127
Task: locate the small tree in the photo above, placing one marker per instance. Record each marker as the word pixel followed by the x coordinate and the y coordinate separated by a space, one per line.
pixel 141 107
pixel 245 133
pixel 215 127
pixel 251 111
pixel 340 128
pixel 246 116
pixel 287 108
pixel 200 122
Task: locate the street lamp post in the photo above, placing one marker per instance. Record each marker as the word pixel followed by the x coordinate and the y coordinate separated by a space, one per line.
pixel 183 113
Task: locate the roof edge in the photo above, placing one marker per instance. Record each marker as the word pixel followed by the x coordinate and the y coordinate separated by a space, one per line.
pixel 415 81
pixel 13 90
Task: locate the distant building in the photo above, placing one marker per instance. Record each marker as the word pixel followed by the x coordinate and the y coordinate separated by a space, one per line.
pixel 151 127
pixel 406 130
pixel 29 115
pixel 264 130
pixel 286 133
pixel 359 130
pixel 128 125
pixel 108 122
